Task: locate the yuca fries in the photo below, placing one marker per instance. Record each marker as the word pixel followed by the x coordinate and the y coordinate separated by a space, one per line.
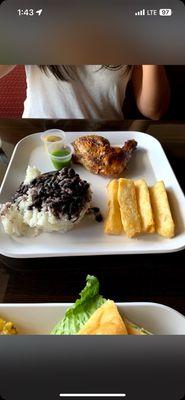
pixel 113 224
pixel 162 214
pixel 144 206
pixel 128 206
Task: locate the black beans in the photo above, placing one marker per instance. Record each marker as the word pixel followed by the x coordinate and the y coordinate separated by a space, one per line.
pixel 63 192
pixel 99 218
pixel 97 214
pixel 95 210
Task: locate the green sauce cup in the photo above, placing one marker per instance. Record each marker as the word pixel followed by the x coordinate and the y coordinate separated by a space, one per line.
pixel 61 157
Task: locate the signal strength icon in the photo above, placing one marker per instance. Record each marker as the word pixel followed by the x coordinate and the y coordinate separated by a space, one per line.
pixel 140 13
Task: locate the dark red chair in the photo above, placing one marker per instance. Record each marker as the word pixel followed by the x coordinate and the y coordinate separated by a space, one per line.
pixel 13 93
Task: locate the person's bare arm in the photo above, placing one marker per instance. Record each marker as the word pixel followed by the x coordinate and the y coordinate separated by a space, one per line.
pixel 151 89
pixel 5 69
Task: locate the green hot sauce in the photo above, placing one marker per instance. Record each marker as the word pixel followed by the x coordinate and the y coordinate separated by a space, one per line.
pixel 62 160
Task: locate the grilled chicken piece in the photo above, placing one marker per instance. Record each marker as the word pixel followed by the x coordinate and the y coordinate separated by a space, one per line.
pixel 98 157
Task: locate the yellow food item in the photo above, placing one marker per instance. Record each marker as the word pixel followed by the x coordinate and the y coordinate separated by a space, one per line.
pixel 52 138
pixel 162 214
pixel 7 328
pixel 128 206
pixel 106 320
pixel 113 224
pixel 134 329
pixel 144 206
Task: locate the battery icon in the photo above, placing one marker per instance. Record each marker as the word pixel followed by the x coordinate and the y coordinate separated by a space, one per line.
pixel 165 12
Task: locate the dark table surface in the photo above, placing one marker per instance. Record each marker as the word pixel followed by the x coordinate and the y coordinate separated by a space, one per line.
pixel 159 278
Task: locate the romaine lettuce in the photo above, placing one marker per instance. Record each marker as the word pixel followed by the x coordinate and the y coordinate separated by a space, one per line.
pixel 77 315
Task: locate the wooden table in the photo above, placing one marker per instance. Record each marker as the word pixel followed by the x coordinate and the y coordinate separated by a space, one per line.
pixel 158 278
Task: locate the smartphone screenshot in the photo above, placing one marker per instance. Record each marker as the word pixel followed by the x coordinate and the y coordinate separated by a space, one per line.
pixel 92 206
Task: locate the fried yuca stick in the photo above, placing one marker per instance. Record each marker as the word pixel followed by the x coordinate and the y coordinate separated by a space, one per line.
pixel 144 206
pixel 113 224
pixel 128 206
pixel 162 214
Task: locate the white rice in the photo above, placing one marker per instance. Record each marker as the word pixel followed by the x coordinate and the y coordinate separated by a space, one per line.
pixel 13 223
pixel 18 220
pixel 45 220
pixel 31 173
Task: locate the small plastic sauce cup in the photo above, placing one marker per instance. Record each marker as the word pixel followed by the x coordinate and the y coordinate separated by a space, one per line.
pixel 60 156
pixel 53 136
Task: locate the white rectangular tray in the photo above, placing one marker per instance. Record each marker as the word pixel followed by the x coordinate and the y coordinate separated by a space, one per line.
pixel 40 319
pixel 148 162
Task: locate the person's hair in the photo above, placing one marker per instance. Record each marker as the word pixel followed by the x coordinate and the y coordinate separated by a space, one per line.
pixel 67 72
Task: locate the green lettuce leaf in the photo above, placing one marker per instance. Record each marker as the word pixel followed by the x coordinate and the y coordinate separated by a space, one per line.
pixel 77 315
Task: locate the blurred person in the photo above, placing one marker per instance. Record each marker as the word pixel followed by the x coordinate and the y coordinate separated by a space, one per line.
pixel 93 91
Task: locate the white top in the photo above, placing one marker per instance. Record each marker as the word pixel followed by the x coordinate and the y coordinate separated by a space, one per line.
pixel 95 94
